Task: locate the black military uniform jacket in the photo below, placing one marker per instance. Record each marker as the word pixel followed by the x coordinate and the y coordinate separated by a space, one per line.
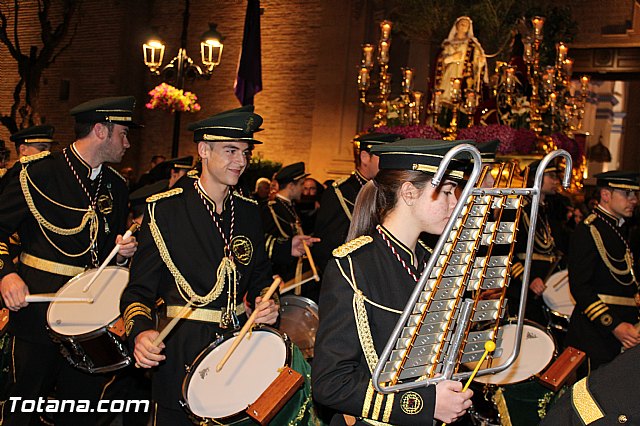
pixel 603 297
pixel 279 219
pixel 341 375
pixel 609 396
pixel 50 175
pixel 334 216
pixel 196 248
pixel 544 260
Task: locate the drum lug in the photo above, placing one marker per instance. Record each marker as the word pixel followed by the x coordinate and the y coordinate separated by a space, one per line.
pixel 187 368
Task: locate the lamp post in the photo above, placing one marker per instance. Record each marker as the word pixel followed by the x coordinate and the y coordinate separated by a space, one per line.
pixel 182 67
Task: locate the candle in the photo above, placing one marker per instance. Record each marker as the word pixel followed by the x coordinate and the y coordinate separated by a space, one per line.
pixel 455 84
pixel 436 99
pixel 471 100
pixel 553 98
pixel 538 23
pixel 407 81
pixel 367 55
pixel 509 77
pixel 567 66
pixel 385 30
pixel 363 78
pixel 384 52
pixel 584 81
pixel 528 51
pixel 562 50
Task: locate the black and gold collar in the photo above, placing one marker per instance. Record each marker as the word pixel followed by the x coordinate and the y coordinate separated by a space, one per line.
pixel 79 161
pixel 610 217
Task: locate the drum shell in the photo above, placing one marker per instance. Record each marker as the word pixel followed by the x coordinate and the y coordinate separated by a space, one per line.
pixel 299 321
pixel 299 406
pixel 104 348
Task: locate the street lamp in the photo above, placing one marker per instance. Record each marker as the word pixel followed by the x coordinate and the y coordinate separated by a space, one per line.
pixel 182 67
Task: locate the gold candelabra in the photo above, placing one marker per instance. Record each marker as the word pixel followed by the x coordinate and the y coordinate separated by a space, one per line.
pixel 374 84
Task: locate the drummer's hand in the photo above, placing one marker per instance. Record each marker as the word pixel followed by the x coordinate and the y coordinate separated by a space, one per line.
pixel 267 312
pixel 127 247
pixel 13 291
pixel 451 403
pixel 297 246
pixel 147 355
pixel 627 334
pixel 537 286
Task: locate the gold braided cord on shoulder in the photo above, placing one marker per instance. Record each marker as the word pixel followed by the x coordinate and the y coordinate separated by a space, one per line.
pixel 342 201
pixel 247 199
pixel 275 219
pixel 604 255
pixel 89 217
pixel 183 286
pixel 29 158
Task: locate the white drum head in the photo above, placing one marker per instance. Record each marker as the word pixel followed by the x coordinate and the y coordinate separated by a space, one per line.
pixel 75 318
pixel 557 295
pixel 536 351
pixel 249 371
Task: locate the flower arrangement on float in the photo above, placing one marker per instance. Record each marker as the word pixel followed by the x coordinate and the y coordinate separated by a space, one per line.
pixel 165 96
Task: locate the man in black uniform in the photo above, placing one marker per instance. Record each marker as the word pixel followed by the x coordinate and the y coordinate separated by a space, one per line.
pixel 601 273
pixel 545 257
pixel 336 206
pixel 29 141
pixel 282 225
pixel 69 209
pixel 204 216
pixel 608 396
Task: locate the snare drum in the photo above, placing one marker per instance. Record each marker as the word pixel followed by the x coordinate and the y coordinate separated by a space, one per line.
pixel 536 352
pixel 558 301
pixel 91 335
pixel 224 396
pixel 299 320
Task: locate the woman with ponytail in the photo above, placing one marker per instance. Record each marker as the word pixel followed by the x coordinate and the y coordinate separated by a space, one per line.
pixel 369 281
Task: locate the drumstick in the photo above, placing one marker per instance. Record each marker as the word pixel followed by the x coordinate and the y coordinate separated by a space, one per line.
pixel 167 329
pixel 489 346
pixel 51 297
pixel 174 321
pixel 113 253
pixel 311 262
pixel 247 325
pixel 298 284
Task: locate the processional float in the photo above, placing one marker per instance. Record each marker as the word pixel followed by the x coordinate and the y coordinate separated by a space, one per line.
pixel 460 299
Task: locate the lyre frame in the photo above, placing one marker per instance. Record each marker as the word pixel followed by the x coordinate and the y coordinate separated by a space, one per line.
pixel 470 189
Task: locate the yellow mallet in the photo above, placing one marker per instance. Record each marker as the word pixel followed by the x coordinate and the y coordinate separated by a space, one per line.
pixel 489 346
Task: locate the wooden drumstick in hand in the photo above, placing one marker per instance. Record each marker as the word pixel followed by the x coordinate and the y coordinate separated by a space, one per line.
pixel 113 253
pixel 183 313
pixel 247 325
pixel 316 277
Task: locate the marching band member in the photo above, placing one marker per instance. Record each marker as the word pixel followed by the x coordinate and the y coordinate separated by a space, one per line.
pixel 601 273
pixel 367 284
pixel 205 216
pixel 68 209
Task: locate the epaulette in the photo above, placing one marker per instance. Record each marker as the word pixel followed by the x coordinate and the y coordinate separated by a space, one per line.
pixel 590 219
pixel 242 197
pixel 166 194
pixel 339 182
pixel 30 158
pixel 193 173
pixel 351 246
pixel 118 174
pixel 425 246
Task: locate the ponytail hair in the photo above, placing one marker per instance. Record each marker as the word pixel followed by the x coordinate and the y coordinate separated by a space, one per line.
pixel 379 197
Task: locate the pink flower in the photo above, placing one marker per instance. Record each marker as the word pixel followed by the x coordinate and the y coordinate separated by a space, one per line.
pixel 164 96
